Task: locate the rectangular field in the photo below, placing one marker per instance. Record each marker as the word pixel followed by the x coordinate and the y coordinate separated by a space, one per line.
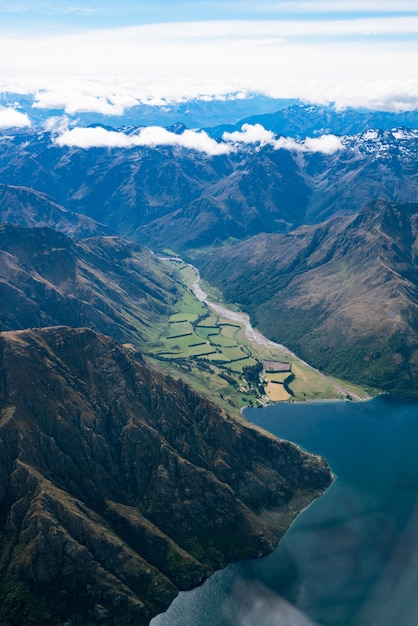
pixel 277 393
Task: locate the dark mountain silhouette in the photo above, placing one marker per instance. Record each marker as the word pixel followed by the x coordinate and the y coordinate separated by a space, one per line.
pixel 308 120
pixel 25 207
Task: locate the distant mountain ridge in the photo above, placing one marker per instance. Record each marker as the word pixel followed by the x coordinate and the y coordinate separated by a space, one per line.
pixel 290 117
pixel 26 207
pixel 195 113
pixel 180 198
pixel 307 120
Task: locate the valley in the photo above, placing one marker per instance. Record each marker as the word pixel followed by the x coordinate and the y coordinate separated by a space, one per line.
pixel 289 275
pixel 341 294
pixel 218 349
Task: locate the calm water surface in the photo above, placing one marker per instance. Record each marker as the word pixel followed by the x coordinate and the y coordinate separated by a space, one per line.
pixel 351 558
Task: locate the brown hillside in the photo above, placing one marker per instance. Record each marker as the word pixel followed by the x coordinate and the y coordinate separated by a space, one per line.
pixel 119 486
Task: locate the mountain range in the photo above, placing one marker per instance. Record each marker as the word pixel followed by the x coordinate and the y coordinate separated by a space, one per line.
pixel 120 485
pixel 26 207
pixel 309 120
pixel 195 113
pixel 190 201
pixel 106 283
pixel 290 117
pixel 170 196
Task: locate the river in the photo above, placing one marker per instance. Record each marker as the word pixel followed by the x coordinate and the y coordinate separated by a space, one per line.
pixel 255 336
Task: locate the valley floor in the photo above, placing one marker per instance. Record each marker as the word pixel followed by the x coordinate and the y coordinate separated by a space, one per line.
pixel 219 349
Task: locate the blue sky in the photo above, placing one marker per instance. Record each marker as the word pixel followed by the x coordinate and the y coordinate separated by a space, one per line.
pixel 112 54
pixel 24 15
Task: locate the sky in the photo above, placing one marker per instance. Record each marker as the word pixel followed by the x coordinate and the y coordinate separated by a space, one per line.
pixel 106 56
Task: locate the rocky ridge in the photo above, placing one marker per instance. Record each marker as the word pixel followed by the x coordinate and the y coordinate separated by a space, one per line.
pixel 25 207
pixel 182 198
pixel 119 486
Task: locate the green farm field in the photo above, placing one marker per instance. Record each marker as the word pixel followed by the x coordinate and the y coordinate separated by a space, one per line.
pixel 212 353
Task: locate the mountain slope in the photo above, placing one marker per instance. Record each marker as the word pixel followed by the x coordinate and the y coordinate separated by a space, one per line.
pixel 25 207
pixel 343 294
pixel 119 486
pixel 263 192
pixel 371 166
pixel 154 195
pixel 109 284
pixel 182 198
pixel 307 120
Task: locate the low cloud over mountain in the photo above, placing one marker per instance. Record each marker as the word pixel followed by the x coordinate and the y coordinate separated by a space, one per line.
pixel 10 118
pixel 153 136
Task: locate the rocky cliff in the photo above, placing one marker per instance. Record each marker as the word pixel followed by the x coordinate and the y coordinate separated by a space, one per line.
pixel 119 486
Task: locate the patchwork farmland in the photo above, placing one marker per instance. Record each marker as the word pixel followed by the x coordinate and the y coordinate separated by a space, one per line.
pixel 213 353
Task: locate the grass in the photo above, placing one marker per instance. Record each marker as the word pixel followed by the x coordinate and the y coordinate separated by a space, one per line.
pixel 278 377
pixel 307 385
pixel 206 331
pixel 238 366
pixel 211 352
pixel 277 392
pixel 177 329
pixel 220 340
pixel 210 321
pixel 206 349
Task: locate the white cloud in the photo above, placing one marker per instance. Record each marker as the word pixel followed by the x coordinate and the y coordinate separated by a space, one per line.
pixel 79 100
pixel 94 138
pixel 202 48
pixel 360 62
pixel 250 133
pixel 325 144
pixel 256 133
pixel 10 118
pixel 56 125
pixel 151 136
pixel 154 136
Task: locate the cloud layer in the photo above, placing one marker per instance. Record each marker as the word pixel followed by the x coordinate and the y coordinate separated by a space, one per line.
pixel 150 136
pixel 153 136
pixel 367 62
pixel 257 134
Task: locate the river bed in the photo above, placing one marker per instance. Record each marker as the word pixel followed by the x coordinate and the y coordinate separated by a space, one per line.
pixel 257 338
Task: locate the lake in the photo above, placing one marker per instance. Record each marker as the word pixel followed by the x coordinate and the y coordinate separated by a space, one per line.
pixel 351 558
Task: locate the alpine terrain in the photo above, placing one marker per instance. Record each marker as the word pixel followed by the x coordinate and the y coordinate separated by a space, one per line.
pixel 121 484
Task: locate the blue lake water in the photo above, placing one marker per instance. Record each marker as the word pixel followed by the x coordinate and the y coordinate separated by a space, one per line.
pixel 351 558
